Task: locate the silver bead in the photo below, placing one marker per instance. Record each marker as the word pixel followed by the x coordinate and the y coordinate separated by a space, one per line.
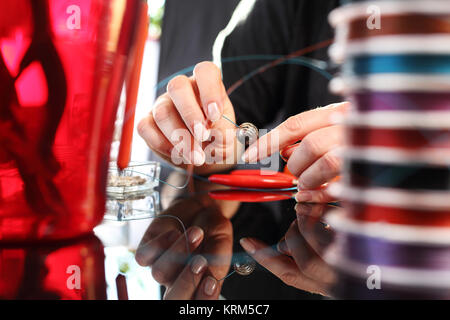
pixel 245 266
pixel 247 134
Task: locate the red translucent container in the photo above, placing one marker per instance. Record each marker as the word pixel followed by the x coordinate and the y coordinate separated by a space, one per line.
pixel 62 63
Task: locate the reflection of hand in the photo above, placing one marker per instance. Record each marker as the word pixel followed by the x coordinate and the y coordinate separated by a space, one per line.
pixel 164 248
pixel 314 159
pixel 296 262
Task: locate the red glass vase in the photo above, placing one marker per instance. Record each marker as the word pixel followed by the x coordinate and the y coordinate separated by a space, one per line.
pixel 62 64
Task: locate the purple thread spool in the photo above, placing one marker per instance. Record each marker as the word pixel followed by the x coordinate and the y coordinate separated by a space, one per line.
pixel 376 251
pixel 352 287
pixel 400 101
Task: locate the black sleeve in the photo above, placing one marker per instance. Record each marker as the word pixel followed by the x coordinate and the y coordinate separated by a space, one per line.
pixel 265 34
pixel 277 28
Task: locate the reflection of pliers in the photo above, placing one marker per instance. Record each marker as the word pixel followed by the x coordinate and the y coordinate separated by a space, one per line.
pixel 251 196
pixel 254 186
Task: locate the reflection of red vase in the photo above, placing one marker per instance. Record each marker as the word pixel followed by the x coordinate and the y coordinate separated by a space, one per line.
pixel 71 271
pixel 56 118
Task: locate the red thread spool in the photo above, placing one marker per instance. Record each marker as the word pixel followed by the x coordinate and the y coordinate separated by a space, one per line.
pixel 399 138
pixel 402 24
pixel 396 215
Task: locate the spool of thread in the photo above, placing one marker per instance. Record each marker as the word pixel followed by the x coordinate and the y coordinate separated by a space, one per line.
pixel 366 212
pixel 380 252
pixel 348 286
pixel 401 24
pixel 397 18
pixel 400 82
pixel 402 138
pixel 406 176
pixel 400 101
pixel 435 44
pixel 412 63
pixel 392 198
pixel 396 76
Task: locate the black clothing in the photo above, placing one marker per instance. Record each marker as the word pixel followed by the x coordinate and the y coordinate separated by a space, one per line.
pixel 279 27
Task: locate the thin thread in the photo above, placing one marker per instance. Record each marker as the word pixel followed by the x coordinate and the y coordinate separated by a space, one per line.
pixel 226 118
pixel 228 275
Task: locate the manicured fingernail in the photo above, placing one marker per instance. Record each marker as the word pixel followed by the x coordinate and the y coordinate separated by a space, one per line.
pixel 200 132
pixel 213 112
pixel 198 158
pixel 248 245
pixel 195 234
pixel 251 155
pixel 210 286
pixel 282 247
pixel 303 196
pixel 198 264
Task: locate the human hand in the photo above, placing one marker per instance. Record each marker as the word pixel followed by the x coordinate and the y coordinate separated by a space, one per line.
pixel 192 110
pixel 164 248
pixel 314 160
pixel 297 261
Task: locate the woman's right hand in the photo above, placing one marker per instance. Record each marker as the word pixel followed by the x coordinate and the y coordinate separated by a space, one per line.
pixel 186 124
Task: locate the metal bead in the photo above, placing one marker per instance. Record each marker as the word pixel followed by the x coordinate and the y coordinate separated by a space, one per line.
pixel 245 266
pixel 247 134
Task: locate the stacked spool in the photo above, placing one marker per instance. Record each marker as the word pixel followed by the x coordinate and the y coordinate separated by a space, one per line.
pixel 393 235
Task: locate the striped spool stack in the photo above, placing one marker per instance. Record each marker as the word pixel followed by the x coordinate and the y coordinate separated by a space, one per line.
pixel 393 235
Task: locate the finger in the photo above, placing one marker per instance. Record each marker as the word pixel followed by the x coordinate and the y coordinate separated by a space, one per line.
pixel 287 152
pixel 293 130
pixel 208 290
pixel 320 172
pixel 314 146
pixel 283 248
pixel 315 211
pixel 166 268
pixel 181 213
pixel 212 91
pixel 218 244
pixel 314 196
pixel 154 138
pixel 188 281
pixel 181 91
pixel 173 128
pixel 317 233
pixel 149 251
pixel 307 260
pixel 281 266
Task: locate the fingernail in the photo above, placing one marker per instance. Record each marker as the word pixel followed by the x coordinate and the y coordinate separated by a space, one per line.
pixel 303 196
pixel 213 112
pixel 248 245
pixel 282 247
pixel 195 234
pixel 250 155
pixel 198 158
pixel 210 286
pixel 200 132
pixel 198 264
